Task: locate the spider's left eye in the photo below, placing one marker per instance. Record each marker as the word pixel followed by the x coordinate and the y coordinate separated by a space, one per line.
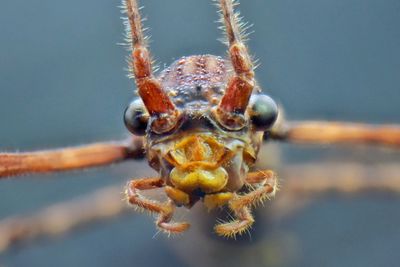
pixel 136 117
pixel 263 112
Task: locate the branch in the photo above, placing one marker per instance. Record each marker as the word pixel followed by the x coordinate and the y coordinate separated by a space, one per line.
pixel 298 180
pixel 61 218
pixel 302 183
pixel 340 178
pixel 97 154
pixel 323 132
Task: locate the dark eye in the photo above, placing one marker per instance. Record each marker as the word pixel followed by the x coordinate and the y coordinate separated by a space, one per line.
pixel 136 117
pixel 263 113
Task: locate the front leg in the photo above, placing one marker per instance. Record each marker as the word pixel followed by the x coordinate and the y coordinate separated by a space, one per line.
pixel 164 209
pixel 264 184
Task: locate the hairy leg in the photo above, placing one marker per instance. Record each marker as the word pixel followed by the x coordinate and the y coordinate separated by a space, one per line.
pixel 242 223
pixel 164 209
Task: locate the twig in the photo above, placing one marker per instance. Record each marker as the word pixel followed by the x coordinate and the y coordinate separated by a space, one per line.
pixel 301 183
pixel 63 217
pixel 344 178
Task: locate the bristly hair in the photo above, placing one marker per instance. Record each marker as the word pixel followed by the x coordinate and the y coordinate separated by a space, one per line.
pixel 240 27
pixel 128 40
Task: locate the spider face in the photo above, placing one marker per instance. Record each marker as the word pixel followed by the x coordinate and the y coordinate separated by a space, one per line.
pixel 199 155
pixel 203 119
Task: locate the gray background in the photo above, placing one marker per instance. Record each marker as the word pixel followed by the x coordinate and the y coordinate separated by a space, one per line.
pixel 62 83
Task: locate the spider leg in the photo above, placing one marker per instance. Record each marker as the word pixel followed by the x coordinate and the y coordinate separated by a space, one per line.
pixel 164 209
pixel 73 158
pixel 265 186
pixel 240 85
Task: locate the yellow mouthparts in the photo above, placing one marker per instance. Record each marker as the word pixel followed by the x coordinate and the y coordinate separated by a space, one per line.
pixel 197 151
pixel 208 181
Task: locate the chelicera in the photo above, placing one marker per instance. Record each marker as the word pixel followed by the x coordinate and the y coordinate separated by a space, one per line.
pixel 203 120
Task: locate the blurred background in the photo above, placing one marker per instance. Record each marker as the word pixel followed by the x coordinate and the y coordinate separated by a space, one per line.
pixel 63 83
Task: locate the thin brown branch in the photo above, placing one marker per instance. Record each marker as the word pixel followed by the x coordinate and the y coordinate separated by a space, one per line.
pixel 297 181
pixel 323 132
pixel 343 178
pixel 303 182
pixel 61 218
pixel 97 154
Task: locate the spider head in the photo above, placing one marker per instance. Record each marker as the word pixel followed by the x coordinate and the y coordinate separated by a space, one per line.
pixel 202 155
pixel 204 143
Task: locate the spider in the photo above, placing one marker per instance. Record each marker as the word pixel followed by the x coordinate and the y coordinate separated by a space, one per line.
pixel 202 120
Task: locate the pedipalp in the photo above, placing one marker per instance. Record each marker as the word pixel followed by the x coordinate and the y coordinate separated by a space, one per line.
pixel 164 209
pixel 264 185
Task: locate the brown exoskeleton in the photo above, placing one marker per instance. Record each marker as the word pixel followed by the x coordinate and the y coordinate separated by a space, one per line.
pixel 203 119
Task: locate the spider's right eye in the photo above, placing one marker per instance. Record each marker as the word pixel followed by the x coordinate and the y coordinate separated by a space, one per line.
pixel 136 117
pixel 263 112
